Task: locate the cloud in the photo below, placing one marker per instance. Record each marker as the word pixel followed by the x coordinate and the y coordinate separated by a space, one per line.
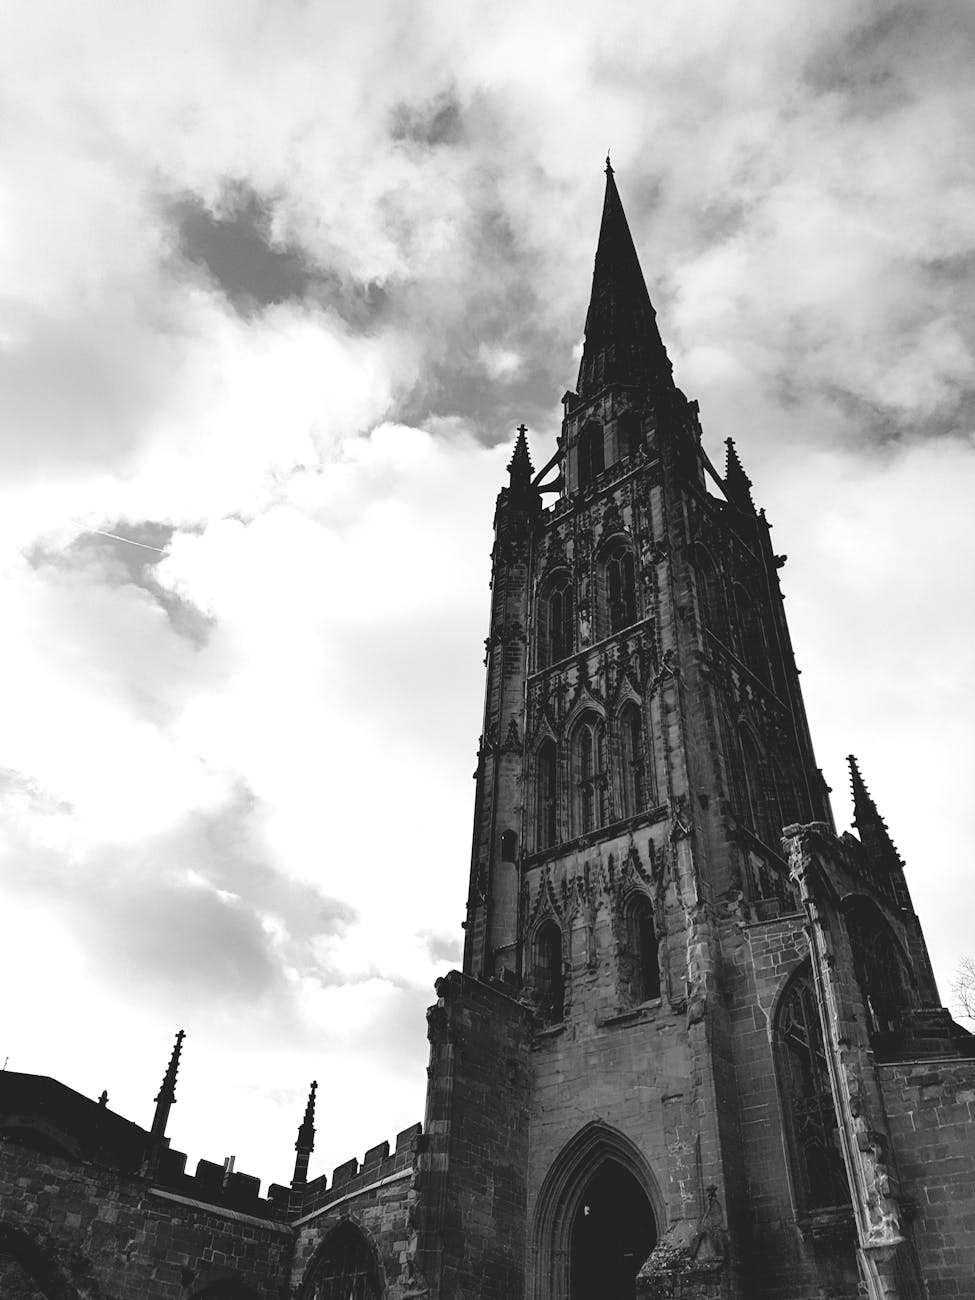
pixel 279 283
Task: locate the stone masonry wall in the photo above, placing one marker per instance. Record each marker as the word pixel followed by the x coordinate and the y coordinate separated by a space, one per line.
pixel 780 1261
pixel 930 1109
pixel 377 1195
pixel 98 1233
pixel 471 1170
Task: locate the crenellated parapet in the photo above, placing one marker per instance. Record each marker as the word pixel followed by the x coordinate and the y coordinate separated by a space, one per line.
pixel 354 1177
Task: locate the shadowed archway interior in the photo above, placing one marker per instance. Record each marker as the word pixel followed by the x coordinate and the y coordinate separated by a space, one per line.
pixel 613 1232
pixel 597 1219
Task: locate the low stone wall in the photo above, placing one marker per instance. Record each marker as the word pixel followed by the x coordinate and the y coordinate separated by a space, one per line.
pixel 77 1230
pixel 930 1107
pixel 377 1194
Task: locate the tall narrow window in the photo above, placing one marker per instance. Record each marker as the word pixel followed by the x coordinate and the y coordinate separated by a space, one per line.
pixel 749 635
pixel 548 974
pixel 807 1099
pixel 639 969
pixel 755 812
pixel 545 794
pixel 880 970
pixel 591 454
pixel 712 614
pixel 620 588
pixel 628 434
pixel 589 760
pixel 560 640
pixel 634 774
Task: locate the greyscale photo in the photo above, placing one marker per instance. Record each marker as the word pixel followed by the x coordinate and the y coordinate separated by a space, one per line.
pixel 486 557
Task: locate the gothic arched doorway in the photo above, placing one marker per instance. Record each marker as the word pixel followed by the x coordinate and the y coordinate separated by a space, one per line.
pixel 596 1219
pixel 613 1232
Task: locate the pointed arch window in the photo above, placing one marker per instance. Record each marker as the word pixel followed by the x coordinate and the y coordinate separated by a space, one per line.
pixel 548 975
pixel 546 795
pixel 639 968
pixel 712 613
pixel 558 627
pixel 819 1174
pixel 589 763
pixel 628 434
pixel 755 811
pixel 591 454
pixel 346 1268
pixel 879 967
pixel 620 579
pixel 634 784
pixel 749 634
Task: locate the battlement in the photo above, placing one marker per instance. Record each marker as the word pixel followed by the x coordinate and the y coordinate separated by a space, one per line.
pixel 354 1176
pixel 215 1185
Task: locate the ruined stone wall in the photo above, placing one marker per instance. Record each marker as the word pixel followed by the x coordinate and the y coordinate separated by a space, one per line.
pixel 782 1257
pixel 377 1195
pixel 930 1109
pixel 92 1232
pixel 470 1216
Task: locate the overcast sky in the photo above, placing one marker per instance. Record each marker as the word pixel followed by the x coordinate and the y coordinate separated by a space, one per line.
pixel 277 282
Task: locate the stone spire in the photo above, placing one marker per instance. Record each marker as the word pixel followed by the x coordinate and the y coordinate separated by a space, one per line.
pixel 166 1097
pixel 879 848
pixel 305 1144
pixel 623 344
pixel 737 484
pixel 520 467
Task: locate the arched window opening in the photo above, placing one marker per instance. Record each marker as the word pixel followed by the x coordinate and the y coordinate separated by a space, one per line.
pixel 712 614
pixel 558 629
pixel 639 967
pixel 546 803
pixel 589 762
pixel 509 846
pixel 635 784
pixel 620 587
pixel 879 967
pixel 346 1268
pixel 548 976
pixel 819 1174
pixel 749 634
pixel 613 1233
pixel 629 434
pixel 591 454
pixel 755 810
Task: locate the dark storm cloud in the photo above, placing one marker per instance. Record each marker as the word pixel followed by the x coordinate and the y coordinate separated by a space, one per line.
pixel 236 245
pixel 503 313
pixel 883 63
pixel 124 553
pixel 859 64
pixel 436 121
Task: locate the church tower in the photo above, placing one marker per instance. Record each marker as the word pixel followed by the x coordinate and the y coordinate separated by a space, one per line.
pixel 659 1072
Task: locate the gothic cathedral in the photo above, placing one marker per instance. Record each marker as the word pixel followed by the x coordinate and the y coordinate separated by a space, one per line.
pixel 706 1033
pixel 696 1051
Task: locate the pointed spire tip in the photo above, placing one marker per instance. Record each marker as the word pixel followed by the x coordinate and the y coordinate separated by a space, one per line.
pixel 520 465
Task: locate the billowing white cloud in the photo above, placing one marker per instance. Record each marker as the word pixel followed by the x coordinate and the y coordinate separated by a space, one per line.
pixel 237 768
